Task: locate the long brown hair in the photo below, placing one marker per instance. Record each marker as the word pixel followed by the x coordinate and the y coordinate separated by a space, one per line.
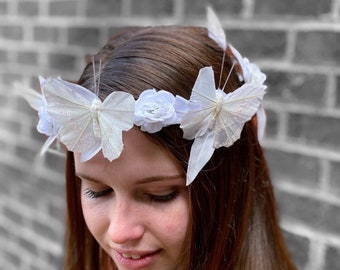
pixel 234 216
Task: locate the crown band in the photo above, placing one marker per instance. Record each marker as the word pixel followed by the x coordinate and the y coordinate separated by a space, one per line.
pixel 211 117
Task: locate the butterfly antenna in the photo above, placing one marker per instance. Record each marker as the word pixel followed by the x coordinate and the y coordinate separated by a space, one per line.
pixel 219 82
pixel 94 76
pixel 231 69
pixel 99 73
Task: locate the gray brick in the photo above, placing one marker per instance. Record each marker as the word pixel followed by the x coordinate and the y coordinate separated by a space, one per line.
pixel 100 8
pixel 7 78
pixel 25 153
pixel 319 215
pixel 83 36
pixel 153 8
pixel 14 259
pixel 297 87
pixel 29 246
pixel 12 175
pixel 258 43
pixel 12 215
pixel 45 230
pixel 57 211
pixel 272 123
pixel 222 7
pixel 298 247
pixel 54 161
pixel 3 56
pixel 46 34
pixel 10 125
pixel 318 48
pixel 4 98
pixel 62 61
pixel 63 8
pixel 315 130
pixel 293 168
pixel 55 187
pixel 334 181
pixel 338 92
pixel 3 8
pixel 55 260
pixel 28 58
pixel 28 8
pixel 293 7
pixel 332 258
pixel 11 32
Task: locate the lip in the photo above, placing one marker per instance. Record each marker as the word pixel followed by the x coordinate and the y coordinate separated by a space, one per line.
pixel 145 260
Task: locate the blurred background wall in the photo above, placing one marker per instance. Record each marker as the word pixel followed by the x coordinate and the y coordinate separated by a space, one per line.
pixel 296 42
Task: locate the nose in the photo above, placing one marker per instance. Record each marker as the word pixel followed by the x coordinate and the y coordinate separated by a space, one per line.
pixel 126 222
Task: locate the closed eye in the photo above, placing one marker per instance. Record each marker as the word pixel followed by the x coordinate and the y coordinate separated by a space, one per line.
pixel 163 198
pixel 97 194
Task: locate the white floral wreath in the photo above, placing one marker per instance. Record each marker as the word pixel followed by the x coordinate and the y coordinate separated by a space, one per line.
pixel 212 118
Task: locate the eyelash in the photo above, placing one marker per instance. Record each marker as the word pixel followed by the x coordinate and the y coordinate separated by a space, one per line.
pixel 95 195
pixel 152 198
pixel 163 198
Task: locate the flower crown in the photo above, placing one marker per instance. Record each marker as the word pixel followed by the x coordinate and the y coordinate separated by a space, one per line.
pixel 212 118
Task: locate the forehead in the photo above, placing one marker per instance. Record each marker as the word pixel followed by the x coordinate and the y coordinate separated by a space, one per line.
pixel 141 158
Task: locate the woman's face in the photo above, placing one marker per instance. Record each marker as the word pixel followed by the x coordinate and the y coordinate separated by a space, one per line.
pixel 137 206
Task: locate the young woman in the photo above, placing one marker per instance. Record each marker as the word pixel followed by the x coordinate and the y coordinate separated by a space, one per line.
pixel 172 191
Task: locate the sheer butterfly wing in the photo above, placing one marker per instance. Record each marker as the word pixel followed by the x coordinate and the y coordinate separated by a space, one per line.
pixel 33 98
pixel 215 29
pixel 238 108
pixel 202 103
pixel 116 115
pixel 69 104
pixel 201 151
pixel 36 101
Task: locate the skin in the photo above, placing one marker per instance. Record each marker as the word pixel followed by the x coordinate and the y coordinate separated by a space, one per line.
pixel 137 205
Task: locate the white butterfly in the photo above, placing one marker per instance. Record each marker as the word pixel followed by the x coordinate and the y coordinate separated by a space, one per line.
pixel 250 72
pixel 215 118
pixel 87 124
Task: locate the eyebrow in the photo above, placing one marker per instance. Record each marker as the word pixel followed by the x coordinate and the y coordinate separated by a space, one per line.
pixel 159 178
pixel 86 177
pixel 139 181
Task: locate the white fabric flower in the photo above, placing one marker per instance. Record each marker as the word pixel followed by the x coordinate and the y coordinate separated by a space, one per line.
pixel 157 109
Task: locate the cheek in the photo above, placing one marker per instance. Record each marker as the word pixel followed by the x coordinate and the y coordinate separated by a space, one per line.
pixel 95 218
pixel 176 225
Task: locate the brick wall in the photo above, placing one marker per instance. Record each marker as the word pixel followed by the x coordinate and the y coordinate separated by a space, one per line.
pixel 296 42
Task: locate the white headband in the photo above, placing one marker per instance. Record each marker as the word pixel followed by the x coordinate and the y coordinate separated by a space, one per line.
pixel 212 118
